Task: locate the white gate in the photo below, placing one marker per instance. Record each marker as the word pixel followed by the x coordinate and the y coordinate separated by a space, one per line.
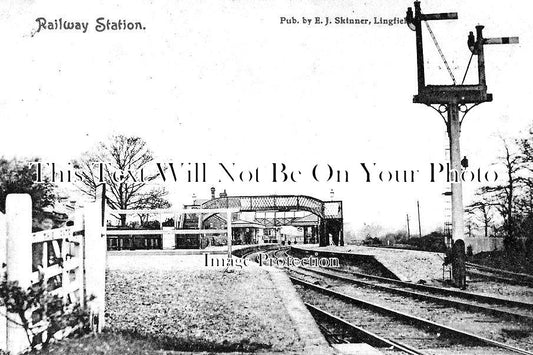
pixel 71 260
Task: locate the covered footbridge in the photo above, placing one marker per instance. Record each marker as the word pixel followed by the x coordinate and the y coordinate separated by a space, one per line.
pixel 329 212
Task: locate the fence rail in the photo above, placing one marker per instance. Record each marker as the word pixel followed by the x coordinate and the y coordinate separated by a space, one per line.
pixel 164 231
pixel 58 253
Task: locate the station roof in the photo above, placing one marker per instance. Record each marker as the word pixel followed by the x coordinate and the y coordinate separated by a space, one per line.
pixel 240 223
pixel 308 220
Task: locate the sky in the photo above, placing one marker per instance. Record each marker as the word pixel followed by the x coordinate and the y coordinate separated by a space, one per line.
pixel 226 82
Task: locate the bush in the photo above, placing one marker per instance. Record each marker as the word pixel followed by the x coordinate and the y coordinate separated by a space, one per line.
pixel 372 241
pixel 169 222
pixel 45 307
pixel 431 242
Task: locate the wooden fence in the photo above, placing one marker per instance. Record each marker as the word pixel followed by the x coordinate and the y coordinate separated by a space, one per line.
pixel 71 260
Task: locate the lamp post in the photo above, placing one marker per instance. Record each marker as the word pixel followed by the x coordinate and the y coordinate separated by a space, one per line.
pixel 453 102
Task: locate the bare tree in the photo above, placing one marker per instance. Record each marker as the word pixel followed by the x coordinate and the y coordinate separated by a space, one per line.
pixel 152 199
pixel 470 225
pixel 525 201
pixel 526 149
pixel 370 231
pixel 504 196
pixel 481 210
pixel 122 163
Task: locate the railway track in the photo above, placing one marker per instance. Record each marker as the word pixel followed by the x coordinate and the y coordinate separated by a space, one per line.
pixel 411 333
pixel 507 308
pixel 276 253
pixel 485 272
pixel 338 330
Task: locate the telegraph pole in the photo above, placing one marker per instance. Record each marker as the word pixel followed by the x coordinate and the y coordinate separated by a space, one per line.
pixel 419 225
pixel 408 229
pixel 454 101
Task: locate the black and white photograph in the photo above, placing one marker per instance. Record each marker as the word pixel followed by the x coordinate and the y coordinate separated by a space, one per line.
pixel 266 177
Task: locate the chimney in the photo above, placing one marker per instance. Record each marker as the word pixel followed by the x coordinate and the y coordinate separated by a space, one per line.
pixel 224 194
pixel 212 192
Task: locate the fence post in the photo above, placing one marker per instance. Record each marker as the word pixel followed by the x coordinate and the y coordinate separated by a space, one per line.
pixel 94 264
pixel 19 260
pixel 3 261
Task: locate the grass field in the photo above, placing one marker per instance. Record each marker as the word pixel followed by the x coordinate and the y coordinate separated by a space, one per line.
pixel 196 309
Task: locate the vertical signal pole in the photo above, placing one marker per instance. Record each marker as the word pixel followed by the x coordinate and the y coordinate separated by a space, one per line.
pixel 458 223
pixel 419 47
pixel 453 100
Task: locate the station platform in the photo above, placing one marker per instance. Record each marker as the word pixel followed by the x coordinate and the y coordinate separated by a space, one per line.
pixel 406 265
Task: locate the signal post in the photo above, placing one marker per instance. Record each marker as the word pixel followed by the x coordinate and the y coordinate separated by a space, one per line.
pixel 453 102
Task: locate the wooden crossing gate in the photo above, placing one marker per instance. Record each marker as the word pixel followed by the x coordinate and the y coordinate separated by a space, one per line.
pixel 70 260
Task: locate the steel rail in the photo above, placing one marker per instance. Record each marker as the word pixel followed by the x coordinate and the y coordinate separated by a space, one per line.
pixel 331 336
pixel 500 275
pixel 499 278
pixel 281 250
pixel 447 291
pixel 410 318
pixel 500 271
pixel 272 252
pixel 365 335
pixel 422 296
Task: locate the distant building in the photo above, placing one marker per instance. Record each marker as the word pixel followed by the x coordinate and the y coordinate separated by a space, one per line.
pixel 247 228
